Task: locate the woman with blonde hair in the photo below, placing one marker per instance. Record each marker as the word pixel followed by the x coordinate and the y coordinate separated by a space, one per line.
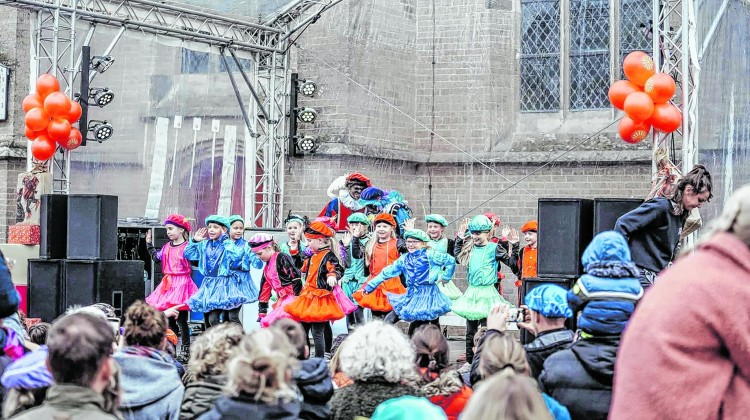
pixel 260 380
pixel 207 368
pixel 380 361
pixel 506 395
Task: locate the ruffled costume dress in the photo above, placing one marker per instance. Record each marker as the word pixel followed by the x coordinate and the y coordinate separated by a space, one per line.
pixel 383 255
pixel 176 286
pixel 448 288
pixel 240 270
pixel 354 274
pixel 219 289
pixel 281 276
pixel 481 295
pixel 423 300
pixel 316 302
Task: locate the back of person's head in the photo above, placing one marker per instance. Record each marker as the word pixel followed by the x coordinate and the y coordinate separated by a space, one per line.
pixel 506 395
pixel 502 352
pixel 78 345
pixel 38 333
pixel 377 351
pixel 145 326
pixel 295 334
pixel 211 351
pixel 734 218
pixel 261 368
pixel 431 350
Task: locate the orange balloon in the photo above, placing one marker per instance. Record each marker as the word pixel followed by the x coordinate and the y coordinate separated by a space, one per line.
pixel 639 106
pixel 57 105
pixel 37 119
pixel 638 67
pixel 619 91
pixel 31 101
pixel 47 84
pixel 58 129
pixel 666 118
pixel 660 87
pixel 73 141
pixel 74 114
pixel 633 131
pixel 43 147
pixel 31 135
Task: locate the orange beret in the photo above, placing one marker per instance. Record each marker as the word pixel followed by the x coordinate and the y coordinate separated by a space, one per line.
pixel 319 230
pixel 384 218
pixel 530 225
pixel 172 337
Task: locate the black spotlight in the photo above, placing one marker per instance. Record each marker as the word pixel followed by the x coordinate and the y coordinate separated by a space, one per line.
pixel 307 115
pixel 101 130
pixel 308 87
pixel 101 96
pixel 307 144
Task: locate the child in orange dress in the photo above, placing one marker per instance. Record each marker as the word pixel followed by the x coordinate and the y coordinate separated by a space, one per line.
pixel 381 251
pixel 316 305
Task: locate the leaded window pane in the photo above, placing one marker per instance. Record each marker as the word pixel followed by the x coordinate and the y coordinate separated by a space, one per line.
pixel 635 24
pixel 589 54
pixel 195 61
pixel 540 55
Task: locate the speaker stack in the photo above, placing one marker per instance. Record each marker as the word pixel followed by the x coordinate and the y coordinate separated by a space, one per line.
pixel 566 227
pixel 78 258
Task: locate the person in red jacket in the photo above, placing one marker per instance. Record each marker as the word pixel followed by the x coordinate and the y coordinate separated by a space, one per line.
pixel 345 200
pixel 686 351
pixel 442 384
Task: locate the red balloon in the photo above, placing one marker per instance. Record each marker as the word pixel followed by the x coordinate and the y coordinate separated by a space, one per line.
pixel 660 87
pixel 32 101
pixel 43 147
pixel 666 118
pixel 74 114
pixel 619 91
pixel 639 106
pixel 57 104
pixel 47 84
pixel 638 67
pixel 31 135
pixel 58 129
pixel 633 131
pixel 37 119
pixel 73 141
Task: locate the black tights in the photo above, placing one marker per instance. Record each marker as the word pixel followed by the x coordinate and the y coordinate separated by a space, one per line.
pixel 392 318
pixel 181 324
pixel 471 329
pixel 322 336
pixel 355 318
pixel 212 318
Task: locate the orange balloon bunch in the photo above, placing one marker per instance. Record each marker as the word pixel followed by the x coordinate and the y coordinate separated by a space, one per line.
pixel 49 118
pixel 645 99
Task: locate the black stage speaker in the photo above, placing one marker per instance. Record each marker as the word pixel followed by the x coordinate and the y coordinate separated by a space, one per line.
pixel 565 229
pixel 46 284
pixel 92 227
pixel 53 221
pixel 532 282
pixel 608 210
pixel 118 283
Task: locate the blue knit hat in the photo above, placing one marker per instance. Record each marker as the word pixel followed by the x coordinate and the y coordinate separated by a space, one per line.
pixel 436 218
pixel 219 220
pixel 480 223
pixel 407 408
pixel 550 300
pixel 235 218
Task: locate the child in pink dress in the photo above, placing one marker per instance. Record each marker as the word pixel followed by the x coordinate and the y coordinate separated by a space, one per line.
pixel 279 275
pixel 176 286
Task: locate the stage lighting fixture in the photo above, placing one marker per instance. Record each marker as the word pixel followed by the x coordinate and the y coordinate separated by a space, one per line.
pixel 101 96
pixel 307 144
pixel 100 63
pixel 307 115
pixel 102 130
pixel 308 87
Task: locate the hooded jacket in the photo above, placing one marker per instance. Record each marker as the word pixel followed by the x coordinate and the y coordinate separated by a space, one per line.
pixel 200 395
pixel 151 388
pixel 580 377
pixel 241 408
pixel 69 402
pixel 685 352
pixel 314 382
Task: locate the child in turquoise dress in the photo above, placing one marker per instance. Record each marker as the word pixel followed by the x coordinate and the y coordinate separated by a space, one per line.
pixel 436 225
pixel 353 259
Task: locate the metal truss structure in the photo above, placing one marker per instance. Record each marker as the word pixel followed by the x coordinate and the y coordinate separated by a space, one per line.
pixel 266 118
pixel 675 53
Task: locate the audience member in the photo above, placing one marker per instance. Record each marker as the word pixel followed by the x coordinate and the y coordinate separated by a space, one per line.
pixel 38 333
pixel 407 408
pixel 340 379
pixel 26 381
pixel 506 395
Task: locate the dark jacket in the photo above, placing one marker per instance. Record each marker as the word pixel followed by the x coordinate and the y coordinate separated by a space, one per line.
pixel 69 402
pixel 314 382
pixel 288 274
pixel 580 377
pixel 242 408
pixel 543 346
pixel 361 398
pixel 200 395
pixel 653 232
pixel 9 298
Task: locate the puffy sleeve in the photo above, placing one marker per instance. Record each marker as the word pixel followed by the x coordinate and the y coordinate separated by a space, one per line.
pixel 446 262
pixel 194 250
pixel 393 270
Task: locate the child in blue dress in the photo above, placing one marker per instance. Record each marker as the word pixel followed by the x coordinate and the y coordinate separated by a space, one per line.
pixel 216 255
pixel 423 303
pixel 240 270
pixel 436 225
